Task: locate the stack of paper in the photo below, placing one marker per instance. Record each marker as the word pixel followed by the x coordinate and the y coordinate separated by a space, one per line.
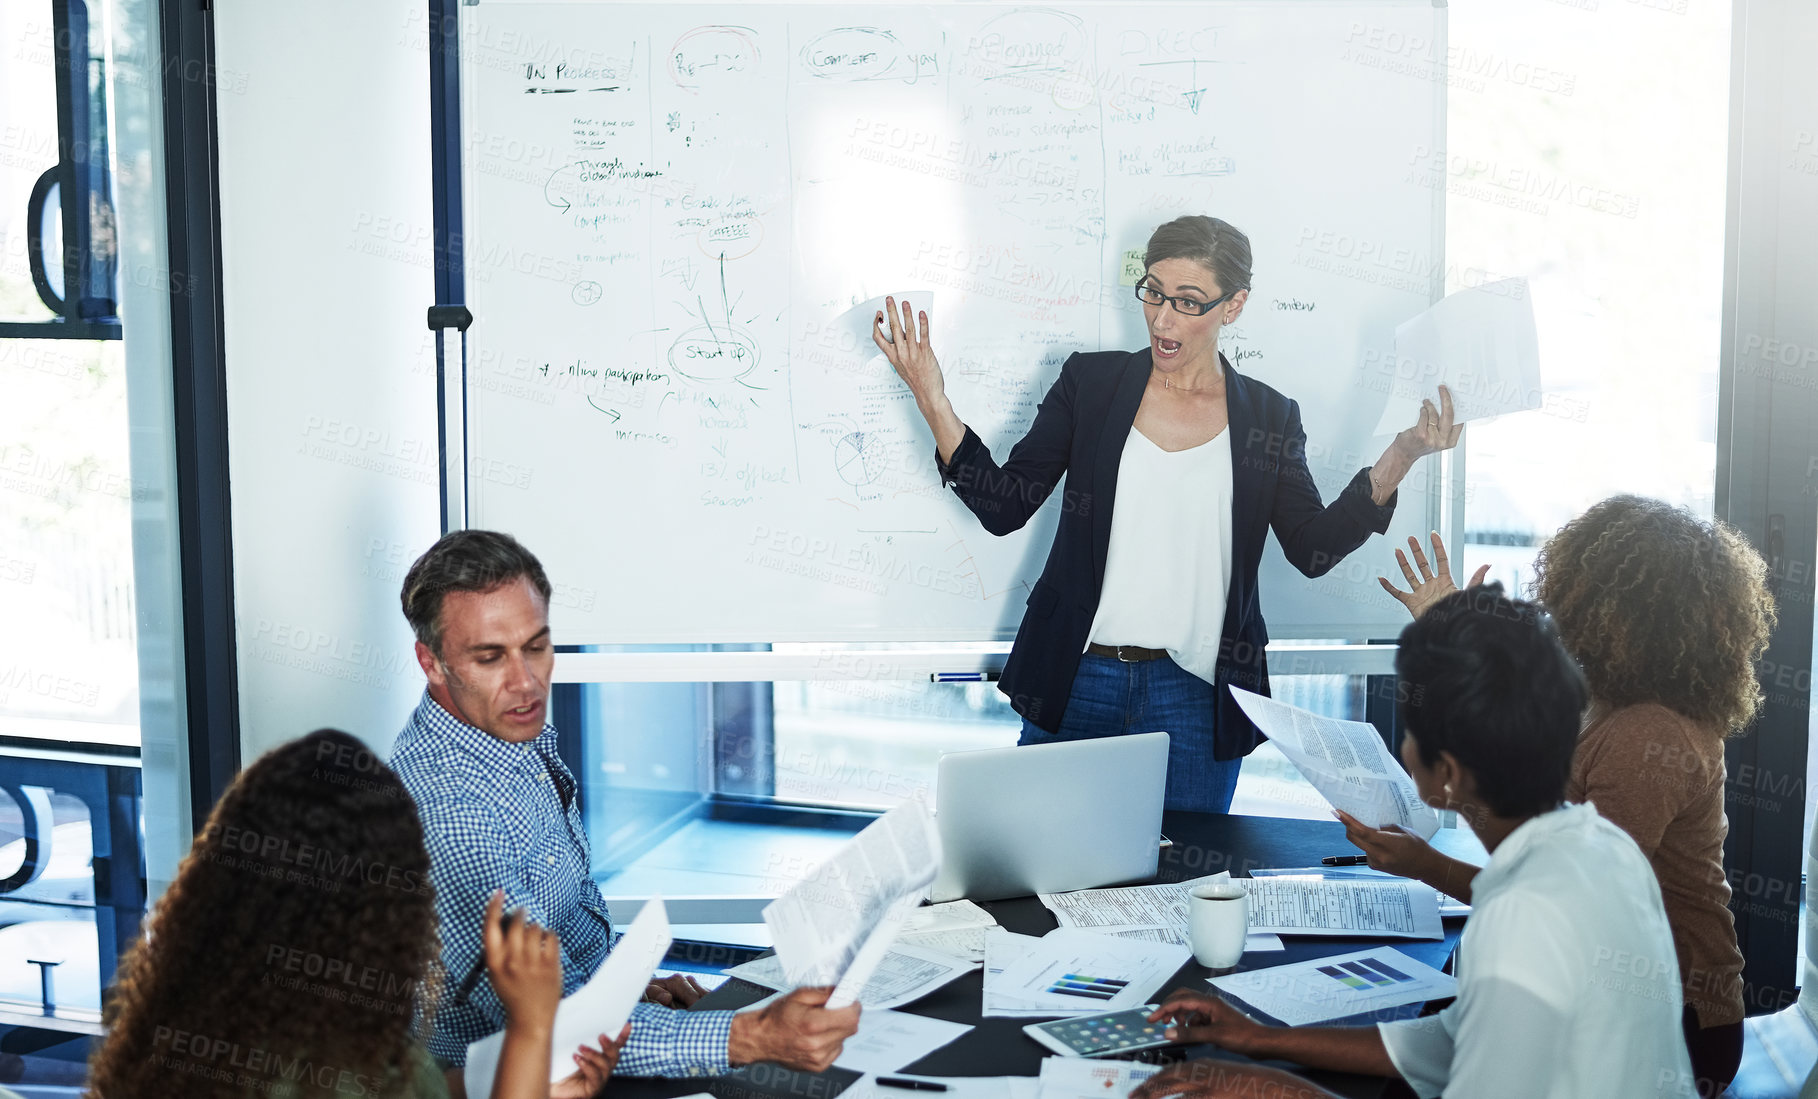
pixel 1395 908
pixel 598 1007
pixel 1072 972
pixel 904 974
pixel 1336 988
pixel 1346 761
pixel 836 926
pixel 1154 913
pixel 956 928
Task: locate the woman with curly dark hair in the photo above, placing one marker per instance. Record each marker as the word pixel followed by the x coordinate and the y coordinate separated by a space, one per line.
pixel 1667 614
pixel 298 943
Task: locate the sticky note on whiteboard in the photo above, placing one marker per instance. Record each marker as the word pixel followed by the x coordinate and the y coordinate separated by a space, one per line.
pixel 1133 269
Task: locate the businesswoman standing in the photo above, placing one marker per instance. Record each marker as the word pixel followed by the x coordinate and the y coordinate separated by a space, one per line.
pixel 1177 468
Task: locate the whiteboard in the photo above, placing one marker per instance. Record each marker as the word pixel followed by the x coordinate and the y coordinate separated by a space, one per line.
pixel 673 216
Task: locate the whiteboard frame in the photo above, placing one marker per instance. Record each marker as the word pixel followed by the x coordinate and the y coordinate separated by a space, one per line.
pixel 1445 476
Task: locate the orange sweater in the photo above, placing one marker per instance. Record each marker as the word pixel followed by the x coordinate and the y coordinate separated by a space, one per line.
pixel 1659 776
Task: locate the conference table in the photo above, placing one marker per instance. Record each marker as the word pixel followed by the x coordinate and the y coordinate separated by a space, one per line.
pixel 1203 843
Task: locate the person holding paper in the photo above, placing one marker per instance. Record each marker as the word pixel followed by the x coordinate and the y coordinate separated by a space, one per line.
pixel 499 811
pixel 1177 468
pixel 1568 986
pixel 1667 613
pixel 265 971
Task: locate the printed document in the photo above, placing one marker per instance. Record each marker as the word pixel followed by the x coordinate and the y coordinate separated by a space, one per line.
pixel 1179 937
pixel 1388 909
pixel 1324 989
pixel 888 1040
pixel 956 928
pixel 835 927
pixel 1346 761
pixel 1089 1078
pixel 1480 343
pixel 598 1007
pixel 1448 906
pixel 1002 949
pixel 905 974
pixel 1073 972
pixel 1156 913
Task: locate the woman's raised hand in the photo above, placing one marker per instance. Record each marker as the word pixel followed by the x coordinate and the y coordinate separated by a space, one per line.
pixel 1435 580
pixel 1434 431
pixel 909 352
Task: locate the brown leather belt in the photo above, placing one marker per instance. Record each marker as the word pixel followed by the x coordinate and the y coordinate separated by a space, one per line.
pixel 1129 654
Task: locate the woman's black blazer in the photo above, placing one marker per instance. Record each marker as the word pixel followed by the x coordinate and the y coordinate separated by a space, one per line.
pixel 1079 431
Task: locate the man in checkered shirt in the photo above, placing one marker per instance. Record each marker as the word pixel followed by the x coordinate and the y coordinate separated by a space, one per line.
pixel 499 812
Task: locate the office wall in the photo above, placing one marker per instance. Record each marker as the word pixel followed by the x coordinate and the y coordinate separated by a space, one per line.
pixel 325 223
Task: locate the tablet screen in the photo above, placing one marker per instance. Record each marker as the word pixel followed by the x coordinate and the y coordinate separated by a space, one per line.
pixel 1118 1032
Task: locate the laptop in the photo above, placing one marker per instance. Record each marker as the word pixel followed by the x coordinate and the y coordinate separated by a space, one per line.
pixel 1048 818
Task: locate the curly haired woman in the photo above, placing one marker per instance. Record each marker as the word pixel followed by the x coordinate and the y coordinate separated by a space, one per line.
pixel 291 954
pixel 1667 614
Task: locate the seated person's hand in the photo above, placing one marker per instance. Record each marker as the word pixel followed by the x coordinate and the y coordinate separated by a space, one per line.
pixel 596 1067
pixel 1203 1017
pixel 525 964
pixel 1391 849
pixel 796 1030
pixel 1209 1079
pixel 675 990
pixel 1434 581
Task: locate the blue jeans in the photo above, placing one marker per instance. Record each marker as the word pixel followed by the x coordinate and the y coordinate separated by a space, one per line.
pixel 1114 698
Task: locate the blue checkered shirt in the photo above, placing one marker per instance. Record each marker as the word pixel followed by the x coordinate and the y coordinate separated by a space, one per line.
pixel 501 815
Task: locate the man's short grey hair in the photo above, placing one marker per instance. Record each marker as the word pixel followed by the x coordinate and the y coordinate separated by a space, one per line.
pixel 464 560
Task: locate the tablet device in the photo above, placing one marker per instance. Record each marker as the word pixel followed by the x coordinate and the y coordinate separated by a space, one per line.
pixel 1101 1035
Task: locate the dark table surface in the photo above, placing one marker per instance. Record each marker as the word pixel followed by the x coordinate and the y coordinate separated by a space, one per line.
pixel 1203 844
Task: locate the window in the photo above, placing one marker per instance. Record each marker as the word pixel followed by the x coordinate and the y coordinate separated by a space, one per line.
pixel 86 513
pixel 1588 150
pixel 65 480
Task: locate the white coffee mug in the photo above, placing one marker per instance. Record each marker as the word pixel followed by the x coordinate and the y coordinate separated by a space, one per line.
pixel 1218 919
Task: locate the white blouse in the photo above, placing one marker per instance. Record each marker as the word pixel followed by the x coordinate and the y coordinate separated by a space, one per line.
pixel 1168 569
pixel 1568 985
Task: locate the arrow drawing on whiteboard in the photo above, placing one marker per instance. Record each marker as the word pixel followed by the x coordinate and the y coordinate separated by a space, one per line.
pixel 613 412
pixel 725 352
pixel 557 201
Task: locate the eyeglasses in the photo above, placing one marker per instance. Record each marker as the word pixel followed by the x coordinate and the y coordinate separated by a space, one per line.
pixel 1192 307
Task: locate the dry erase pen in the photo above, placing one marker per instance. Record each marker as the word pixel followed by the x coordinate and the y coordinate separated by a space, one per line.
pixel 910 1085
pixel 962 677
pixel 1345 860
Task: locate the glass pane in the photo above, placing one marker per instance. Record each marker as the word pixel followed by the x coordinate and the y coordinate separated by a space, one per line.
pixel 860 744
pixel 69 667
pixel 1621 240
pixel 51 917
pixel 28 142
pixel 875 743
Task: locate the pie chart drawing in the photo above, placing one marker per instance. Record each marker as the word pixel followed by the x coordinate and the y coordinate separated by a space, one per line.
pixel 859 459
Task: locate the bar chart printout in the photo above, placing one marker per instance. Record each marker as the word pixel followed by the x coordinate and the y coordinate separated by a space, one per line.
pixel 1343 987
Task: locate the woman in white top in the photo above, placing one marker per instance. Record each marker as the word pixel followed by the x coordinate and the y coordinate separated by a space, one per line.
pixel 1568 984
pixel 1177 468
